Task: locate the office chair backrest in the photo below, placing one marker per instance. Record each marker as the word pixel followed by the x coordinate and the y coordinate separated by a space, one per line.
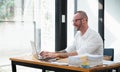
pixel 109 52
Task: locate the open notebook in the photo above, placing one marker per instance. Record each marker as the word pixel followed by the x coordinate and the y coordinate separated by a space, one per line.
pixel 36 54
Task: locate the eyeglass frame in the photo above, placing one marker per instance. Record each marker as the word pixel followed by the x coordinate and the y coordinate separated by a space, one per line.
pixel 77 20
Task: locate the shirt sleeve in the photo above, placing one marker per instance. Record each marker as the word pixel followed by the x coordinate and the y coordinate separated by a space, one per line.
pixel 71 48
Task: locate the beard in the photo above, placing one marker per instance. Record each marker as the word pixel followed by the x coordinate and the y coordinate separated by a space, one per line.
pixel 77 28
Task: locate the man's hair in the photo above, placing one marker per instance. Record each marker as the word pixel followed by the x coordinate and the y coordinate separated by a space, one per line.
pixel 83 14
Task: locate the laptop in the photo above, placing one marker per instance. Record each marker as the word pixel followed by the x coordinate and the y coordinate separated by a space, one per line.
pixel 34 50
pixel 36 54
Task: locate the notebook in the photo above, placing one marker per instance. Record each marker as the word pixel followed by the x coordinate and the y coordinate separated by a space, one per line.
pixel 36 54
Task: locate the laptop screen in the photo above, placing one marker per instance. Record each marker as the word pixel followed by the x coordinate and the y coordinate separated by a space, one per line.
pixel 36 54
pixel 34 50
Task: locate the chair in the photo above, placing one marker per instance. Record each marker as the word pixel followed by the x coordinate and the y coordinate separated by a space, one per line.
pixel 109 52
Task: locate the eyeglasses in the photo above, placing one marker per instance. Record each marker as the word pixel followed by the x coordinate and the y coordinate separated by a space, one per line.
pixel 75 20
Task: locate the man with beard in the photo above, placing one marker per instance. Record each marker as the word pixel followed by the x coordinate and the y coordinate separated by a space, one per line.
pixel 87 41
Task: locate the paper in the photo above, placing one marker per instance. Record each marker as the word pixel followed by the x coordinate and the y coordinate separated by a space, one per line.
pixel 59 63
pixel 108 62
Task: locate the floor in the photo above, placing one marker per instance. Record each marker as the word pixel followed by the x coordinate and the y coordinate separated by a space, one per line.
pixel 19 69
pixel 7 68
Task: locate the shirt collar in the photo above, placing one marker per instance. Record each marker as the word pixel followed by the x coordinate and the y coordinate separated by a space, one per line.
pixel 86 33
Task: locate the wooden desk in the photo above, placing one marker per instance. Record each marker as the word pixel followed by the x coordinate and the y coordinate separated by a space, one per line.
pixel 30 61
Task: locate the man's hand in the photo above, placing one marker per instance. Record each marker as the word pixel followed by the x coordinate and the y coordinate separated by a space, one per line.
pixel 46 54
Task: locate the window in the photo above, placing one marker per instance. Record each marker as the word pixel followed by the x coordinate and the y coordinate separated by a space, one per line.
pixel 17 27
pixel 90 7
pixel 6 10
pixel 45 24
pixel 70 27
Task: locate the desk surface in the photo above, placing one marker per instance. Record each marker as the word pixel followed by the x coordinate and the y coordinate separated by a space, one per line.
pixel 32 60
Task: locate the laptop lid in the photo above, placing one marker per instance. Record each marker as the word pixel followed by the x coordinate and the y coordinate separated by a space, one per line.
pixel 36 54
pixel 34 50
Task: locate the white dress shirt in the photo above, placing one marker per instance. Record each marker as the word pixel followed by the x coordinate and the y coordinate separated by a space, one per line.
pixel 89 43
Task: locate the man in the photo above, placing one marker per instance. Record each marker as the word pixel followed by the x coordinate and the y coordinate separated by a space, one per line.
pixel 86 41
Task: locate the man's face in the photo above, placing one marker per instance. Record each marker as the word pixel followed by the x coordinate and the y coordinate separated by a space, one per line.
pixel 77 21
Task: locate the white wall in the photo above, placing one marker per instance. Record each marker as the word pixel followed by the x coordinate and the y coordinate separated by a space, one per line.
pixel 91 8
pixel 112 26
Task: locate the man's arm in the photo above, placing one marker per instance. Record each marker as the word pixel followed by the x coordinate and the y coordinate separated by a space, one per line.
pixel 59 54
pixel 65 55
pixel 61 51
